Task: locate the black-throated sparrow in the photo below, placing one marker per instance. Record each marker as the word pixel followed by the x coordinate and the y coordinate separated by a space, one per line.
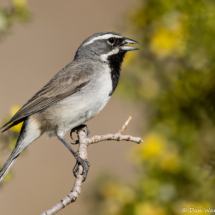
pixel 73 96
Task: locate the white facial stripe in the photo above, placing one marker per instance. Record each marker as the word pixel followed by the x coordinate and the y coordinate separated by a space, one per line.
pixel 104 57
pixel 105 36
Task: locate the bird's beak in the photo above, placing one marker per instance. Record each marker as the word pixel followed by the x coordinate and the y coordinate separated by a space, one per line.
pixel 128 48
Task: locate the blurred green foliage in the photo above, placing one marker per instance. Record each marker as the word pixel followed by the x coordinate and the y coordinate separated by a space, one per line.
pixel 173 77
pixel 16 12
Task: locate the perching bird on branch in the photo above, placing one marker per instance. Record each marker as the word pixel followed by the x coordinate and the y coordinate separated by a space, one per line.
pixel 73 96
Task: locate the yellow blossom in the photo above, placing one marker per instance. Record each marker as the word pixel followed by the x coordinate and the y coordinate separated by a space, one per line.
pixel 110 189
pixel 153 146
pixel 170 161
pixel 148 209
pixel 20 3
pixel 167 41
pixel 112 207
pixel 14 109
pixel 126 194
pixel 122 194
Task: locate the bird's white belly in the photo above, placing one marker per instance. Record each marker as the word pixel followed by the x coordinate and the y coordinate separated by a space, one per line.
pixel 82 106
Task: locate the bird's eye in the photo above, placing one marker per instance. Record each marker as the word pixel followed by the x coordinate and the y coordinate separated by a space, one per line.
pixel 111 41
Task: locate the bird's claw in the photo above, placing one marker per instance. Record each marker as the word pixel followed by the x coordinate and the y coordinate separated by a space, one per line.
pixel 76 142
pixel 85 165
pixel 82 126
pixel 86 129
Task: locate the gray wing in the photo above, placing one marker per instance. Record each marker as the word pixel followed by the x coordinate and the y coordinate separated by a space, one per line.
pixel 68 81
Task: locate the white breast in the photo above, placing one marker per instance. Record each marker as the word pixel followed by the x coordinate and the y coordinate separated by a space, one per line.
pixel 104 87
pixel 86 104
pixel 99 93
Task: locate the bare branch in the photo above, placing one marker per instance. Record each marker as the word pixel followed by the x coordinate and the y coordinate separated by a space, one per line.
pixel 116 136
pixel 125 125
pixel 84 141
pixel 73 195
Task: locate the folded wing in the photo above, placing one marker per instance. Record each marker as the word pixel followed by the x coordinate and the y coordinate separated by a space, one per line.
pixel 68 81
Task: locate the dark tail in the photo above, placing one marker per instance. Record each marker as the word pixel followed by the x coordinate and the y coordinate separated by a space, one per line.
pixel 15 154
pixel 29 132
pixel 9 163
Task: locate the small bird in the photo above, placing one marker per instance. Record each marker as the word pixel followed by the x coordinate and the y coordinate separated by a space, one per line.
pixel 73 96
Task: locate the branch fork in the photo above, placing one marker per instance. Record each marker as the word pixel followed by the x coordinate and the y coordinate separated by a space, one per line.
pixel 84 142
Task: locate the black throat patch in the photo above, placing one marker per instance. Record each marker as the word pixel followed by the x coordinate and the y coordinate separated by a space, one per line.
pixel 115 62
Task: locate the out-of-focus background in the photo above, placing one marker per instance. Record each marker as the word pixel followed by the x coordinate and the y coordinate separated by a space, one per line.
pixel 168 86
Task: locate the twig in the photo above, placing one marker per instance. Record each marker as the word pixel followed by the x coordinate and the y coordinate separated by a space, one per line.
pixel 84 141
pixel 125 125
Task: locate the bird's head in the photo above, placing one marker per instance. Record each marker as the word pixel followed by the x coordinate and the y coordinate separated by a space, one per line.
pixel 105 46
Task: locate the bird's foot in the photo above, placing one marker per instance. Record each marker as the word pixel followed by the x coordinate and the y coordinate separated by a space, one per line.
pixel 82 126
pixel 85 165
